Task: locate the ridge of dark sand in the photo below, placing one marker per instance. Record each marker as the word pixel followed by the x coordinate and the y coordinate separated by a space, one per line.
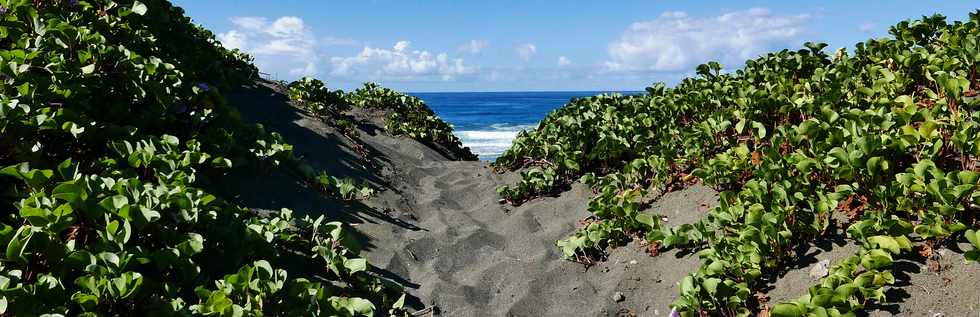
pixel 436 227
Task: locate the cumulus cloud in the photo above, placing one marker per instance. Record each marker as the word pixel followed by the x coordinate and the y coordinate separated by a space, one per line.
pixel 399 62
pixel 285 44
pixel 233 39
pixel 563 61
pixel 526 51
pixel 675 41
pixel 474 47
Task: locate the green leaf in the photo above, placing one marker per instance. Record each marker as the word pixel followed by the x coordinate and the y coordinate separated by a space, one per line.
pixel 264 268
pixel 119 201
pixel 399 304
pixel 35 216
pixel 968 177
pixel 117 204
pixel 68 191
pixel 149 215
pixel 88 69
pixel 873 163
pixel 355 265
pixel 361 306
pixel 18 243
pixel 905 100
pixel 217 302
pixel 927 129
pixel 906 179
pixel 760 129
pixel 711 285
pixel 193 245
pixel 67 169
pixel 572 164
pixel 805 165
pixel 139 8
pixel 756 211
pixel 687 285
pixel 876 259
pixel 808 127
pixel 73 128
pixel 716 267
pixel 886 243
pixel 170 140
pixel 972 255
pixel 647 220
pixel 87 301
pixel 888 75
pixel 822 300
pixel 973 237
pixel 221 162
pixel 786 310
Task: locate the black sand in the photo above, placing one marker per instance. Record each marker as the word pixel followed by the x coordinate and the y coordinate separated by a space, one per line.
pixel 436 226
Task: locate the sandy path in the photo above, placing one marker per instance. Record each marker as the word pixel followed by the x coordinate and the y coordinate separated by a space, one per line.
pixel 475 257
pixel 471 256
pixel 436 227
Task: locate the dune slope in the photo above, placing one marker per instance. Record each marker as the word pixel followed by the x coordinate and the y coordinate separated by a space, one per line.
pixel 436 227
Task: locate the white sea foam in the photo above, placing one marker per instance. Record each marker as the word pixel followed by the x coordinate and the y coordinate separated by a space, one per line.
pixel 513 127
pixel 489 144
pixel 488 135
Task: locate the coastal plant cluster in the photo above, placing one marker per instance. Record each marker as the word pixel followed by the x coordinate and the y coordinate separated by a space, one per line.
pixel 316 98
pixel 408 115
pixel 113 131
pixel 405 115
pixel 330 106
pixel 881 143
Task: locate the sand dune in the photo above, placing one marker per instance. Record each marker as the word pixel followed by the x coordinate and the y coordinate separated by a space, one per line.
pixel 436 227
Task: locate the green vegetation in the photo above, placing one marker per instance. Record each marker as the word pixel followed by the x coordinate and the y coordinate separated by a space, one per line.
pixel 114 130
pixel 410 116
pixel 346 187
pixel 405 115
pixel 974 239
pixel 316 98
pixel 883 143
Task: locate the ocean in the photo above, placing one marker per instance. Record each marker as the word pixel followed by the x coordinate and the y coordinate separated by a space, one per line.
pixel 487 122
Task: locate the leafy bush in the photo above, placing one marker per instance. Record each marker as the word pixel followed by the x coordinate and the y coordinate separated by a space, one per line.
pixel 111 117
pixel 885 139
pixel 317 98
pixel 346 187
pixel 408 115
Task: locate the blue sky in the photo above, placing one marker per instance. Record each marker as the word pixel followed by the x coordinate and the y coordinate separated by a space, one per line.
pixel 445 45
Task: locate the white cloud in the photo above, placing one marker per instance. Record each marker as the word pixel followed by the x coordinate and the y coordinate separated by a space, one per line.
pixel 474 47
pixel 233 39
pixel 287 27
pixel 675 41
pixel 399 62
pixel 339 41
pixel 249 23
pixel 285 44
pixel 526 51
pixel 867 27
pixel 563 61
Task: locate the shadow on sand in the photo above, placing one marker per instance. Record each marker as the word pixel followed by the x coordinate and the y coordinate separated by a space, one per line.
pixel 318 145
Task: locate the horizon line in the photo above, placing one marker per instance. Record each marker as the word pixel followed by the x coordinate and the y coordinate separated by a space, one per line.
pixel 518 91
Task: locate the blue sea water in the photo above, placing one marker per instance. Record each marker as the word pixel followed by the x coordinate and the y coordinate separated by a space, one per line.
pixel 487 122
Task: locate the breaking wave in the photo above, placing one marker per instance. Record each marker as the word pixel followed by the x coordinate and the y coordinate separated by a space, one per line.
pixel 491 143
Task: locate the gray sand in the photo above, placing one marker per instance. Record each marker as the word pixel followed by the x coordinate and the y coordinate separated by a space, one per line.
pixel 436 227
